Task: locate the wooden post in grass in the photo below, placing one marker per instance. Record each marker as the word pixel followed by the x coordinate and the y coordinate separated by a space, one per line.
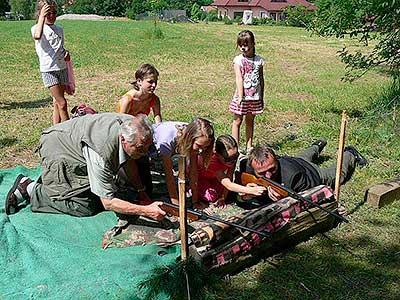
pixel 340 155
pixel 182 209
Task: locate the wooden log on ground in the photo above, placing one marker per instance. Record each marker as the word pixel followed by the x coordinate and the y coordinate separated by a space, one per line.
pixel 384 193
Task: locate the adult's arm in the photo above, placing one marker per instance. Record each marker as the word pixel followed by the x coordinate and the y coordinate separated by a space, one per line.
pixel 157 111
pixel 102 184
pixel 117 205
pixel 169 178
pixel 39 26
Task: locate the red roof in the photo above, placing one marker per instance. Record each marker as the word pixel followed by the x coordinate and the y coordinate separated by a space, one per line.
pixel 266 4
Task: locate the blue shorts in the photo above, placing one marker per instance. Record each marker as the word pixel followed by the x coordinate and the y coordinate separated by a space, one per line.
pixel 55 77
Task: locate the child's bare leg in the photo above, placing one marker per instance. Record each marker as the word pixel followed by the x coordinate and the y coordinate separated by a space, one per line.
pixel 57 91
pixel 56 115
pixel 237 121
pixel 249 130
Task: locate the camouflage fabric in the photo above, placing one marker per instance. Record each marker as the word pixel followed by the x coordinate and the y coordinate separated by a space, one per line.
pixel 135 230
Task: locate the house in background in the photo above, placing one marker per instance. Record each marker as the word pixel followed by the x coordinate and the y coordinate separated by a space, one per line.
pixel 273 9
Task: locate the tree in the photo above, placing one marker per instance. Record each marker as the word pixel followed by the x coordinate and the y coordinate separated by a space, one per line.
pixel 4 6
pixel 299 15
pixel 136 7
pixel 23 7
pixel 82 7
pixel 114 8
pixel 368 20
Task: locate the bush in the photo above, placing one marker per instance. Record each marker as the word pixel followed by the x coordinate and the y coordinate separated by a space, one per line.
pixel 155 32
pixel 4 7
pixel 212 16
pixel 299 16
pixel 136 7
pixel 238 19
pixel 227 21
pixel 114 8
pixel 23 9
pixel 82 7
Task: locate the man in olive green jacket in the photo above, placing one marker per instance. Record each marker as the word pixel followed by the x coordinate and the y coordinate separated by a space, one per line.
pixel 84 163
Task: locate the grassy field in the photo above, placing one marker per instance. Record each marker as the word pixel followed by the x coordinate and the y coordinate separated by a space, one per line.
pixel 304 100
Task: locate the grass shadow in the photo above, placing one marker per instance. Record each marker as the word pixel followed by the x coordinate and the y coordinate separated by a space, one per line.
pixel 351 112
pixel 322 272
pixel 5 142
pixel 283 141
pixel 26 104
pixel 358 205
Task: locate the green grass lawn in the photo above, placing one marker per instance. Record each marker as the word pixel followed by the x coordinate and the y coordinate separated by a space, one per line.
pixel 304 100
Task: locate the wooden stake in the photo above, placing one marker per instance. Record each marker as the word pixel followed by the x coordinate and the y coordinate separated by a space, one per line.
pixel 340 155
pixel 182 209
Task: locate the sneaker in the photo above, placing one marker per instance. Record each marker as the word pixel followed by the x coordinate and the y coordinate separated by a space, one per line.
pixel 321 143
pixel 12 201
pixel 361 161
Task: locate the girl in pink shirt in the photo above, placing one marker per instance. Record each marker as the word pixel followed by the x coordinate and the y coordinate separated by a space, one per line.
pixel 216 180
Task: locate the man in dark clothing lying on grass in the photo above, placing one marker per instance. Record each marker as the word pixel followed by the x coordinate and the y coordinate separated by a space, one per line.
pixel 299 173
pixel 85 162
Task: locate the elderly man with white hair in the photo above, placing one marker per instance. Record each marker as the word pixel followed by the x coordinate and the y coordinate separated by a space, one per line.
pixel 81 163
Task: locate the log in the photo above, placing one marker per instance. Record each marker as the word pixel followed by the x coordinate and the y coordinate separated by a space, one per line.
pixel 384 193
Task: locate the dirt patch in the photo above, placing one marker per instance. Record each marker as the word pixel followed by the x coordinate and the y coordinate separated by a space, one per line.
pixel 84 17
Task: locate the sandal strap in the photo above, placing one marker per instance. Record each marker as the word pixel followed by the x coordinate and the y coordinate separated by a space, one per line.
pixel 22 188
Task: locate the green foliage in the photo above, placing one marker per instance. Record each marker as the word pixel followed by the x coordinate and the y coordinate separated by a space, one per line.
pixel 111 7
pixel 156 6
pixel 136 7
pixel 388 100
pixel 212 16
pixel 227 21
pixel 299 16
pixel 260 21
pixel 4 7
pixel 195 12
pixel 26 8
pixel 101 7
pixel 82 7
pixel 155 32
pixel 238 19
pixel 366 20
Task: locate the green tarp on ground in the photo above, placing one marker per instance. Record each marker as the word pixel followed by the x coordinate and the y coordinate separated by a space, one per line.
pixel 48 256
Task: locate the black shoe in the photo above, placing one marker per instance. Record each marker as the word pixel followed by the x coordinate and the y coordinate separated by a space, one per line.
pixel 361 161
pixel 321 143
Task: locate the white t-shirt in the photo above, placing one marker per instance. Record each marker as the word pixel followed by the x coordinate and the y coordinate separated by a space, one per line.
pixel 165 137
pixel 250 69
pixel 50 48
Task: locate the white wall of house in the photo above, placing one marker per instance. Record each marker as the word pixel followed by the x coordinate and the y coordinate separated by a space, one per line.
pixel 258 12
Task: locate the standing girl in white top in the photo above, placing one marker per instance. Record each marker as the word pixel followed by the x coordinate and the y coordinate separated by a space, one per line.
pixel 248 99
pixel 49 44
